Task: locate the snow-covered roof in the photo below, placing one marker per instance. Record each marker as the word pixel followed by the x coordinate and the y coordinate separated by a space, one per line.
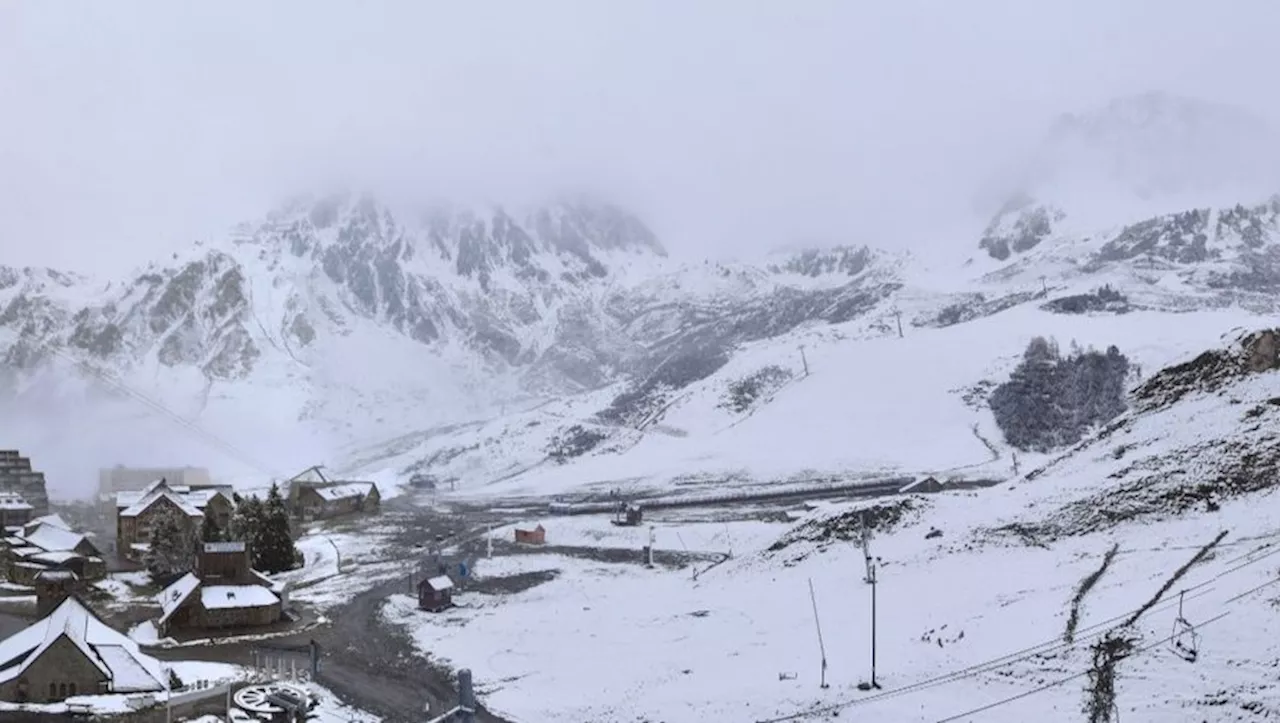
pixel 134 502
pixel 214 597
pixel 111 652
pixel 128 673
pixel 51 539
pixel 56 575
pixel 54 520
pixel 54 557
pixel 344 491
pixel 440 583
pixel 156 495
pixel 172 597
pixel 13 501
pixel 202 497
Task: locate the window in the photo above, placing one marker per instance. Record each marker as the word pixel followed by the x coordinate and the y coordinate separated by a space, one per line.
pixel 53 690
pixel 71 689
pixel 62 690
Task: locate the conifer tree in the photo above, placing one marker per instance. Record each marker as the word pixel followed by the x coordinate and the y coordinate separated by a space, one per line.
pixel 247 522
pixel 209 530
pixel 275 551
pixel 172 547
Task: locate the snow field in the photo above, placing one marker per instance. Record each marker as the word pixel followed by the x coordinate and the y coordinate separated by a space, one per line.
pixel 879 404
pixel 532 652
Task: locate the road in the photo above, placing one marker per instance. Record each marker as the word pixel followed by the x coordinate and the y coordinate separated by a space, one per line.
pixel 366 663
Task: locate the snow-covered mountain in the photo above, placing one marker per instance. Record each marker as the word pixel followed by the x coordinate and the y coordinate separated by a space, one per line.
pixel 343 319
pixel 550 347
pixel 1135 157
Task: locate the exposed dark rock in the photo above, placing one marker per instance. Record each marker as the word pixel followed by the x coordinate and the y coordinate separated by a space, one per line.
pixel 1020 226
pixel 1253 353
pixel 574 442
pixel 742 394
pixel 1104 298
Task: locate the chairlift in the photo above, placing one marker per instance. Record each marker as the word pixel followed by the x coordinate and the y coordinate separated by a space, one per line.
pixel 1185 640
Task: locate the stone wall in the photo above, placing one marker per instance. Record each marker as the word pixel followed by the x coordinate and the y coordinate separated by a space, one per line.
pixel 60 672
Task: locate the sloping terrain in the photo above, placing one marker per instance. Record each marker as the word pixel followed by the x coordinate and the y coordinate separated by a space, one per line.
pixel 871 404
pixel 990 602
pixel 338 321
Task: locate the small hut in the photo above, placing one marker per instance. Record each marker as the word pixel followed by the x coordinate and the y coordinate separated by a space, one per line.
pixel 435 594
pixel 536 536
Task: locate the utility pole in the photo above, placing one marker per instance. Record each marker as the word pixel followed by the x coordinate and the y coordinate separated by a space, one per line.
pixel 872 566
pixel 866 546
pixel 822 648
pixel 489 542
pixel 650 548
pixel 897 314
pixel 1044 285
pixel 804 360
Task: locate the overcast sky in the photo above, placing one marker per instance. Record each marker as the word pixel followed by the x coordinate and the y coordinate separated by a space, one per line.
pixel 126 128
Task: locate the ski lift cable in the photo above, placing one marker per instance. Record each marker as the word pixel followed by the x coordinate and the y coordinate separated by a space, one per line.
pixel 1199 589
pixel 1093 631
pixel 1061 681
pixel 142 398
pixel 156 406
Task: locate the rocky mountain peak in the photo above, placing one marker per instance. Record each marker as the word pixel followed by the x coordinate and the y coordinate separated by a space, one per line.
pixel 1134 157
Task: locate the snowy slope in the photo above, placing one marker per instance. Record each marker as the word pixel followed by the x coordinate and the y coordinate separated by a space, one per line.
pixel 973 617
pixel 872 403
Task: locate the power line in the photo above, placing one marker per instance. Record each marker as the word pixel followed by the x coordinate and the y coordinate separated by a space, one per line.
pixel 1068 679
pixel 1201 589
pixel 1027 653
pixel 118 384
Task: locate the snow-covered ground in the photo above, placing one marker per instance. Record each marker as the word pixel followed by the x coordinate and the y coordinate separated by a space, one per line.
pixel 364 558
pixel 674 530
pixel 974 596
pixel 619 642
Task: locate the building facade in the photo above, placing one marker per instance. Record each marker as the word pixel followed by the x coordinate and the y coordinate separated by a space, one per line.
pixel 14 510
pixel 17 476
pixel 323 500
pixel 71 652
pixel 46 544
pixel 137 512
pixel 223 592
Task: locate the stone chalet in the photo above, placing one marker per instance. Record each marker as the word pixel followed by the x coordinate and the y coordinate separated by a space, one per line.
pixel 222 592
pixel 317 501
pixel 136 511
pixel 71 652
pixel 45 544
pixel 14 510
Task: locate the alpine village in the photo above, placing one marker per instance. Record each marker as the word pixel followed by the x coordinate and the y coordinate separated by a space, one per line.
pixel 100 599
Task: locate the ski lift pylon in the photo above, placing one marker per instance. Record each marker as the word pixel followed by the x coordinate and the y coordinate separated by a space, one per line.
pixel 1185 640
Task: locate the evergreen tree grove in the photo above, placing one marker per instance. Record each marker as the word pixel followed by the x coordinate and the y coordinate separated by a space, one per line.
pixel 264 527
pixel 1050 401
